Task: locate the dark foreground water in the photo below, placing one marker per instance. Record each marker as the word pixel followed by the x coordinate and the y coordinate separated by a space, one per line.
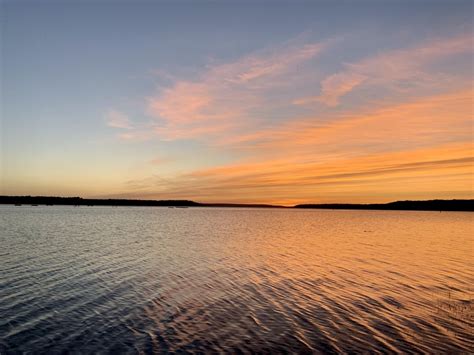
pixel 102 279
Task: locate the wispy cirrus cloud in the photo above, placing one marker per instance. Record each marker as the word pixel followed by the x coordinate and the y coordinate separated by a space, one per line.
pixel 410 131
pixel 425 121
pixel 333 88
pixel 441 172
pixel 420 146
pixel 392 69
pixel 417 136
pixel 230 100
pixel 117 119
pixel 226 96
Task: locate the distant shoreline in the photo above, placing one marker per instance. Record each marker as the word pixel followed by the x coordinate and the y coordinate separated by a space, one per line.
pixel 428 205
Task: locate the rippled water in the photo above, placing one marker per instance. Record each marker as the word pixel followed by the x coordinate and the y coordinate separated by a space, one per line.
pixel 102 279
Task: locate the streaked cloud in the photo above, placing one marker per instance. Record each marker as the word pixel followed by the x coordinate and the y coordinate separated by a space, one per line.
pixel 159 161
pixel 226 96
pixel 421 146
pixel 282 104
pixel 117 119
pixel 425 121
pixel 437 172
pixel 333 87
pixel 413 141
pixel 392 69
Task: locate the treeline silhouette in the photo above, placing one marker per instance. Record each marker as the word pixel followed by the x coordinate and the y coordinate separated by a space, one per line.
pixel 430 205
pixel 78 201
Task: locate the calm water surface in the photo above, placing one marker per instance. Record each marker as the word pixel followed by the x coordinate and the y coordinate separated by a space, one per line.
pixel 102 279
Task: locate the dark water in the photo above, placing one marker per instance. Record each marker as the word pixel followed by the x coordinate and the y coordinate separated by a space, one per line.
pixel 133 280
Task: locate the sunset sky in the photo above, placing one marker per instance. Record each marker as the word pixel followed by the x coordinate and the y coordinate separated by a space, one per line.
pixel 237 101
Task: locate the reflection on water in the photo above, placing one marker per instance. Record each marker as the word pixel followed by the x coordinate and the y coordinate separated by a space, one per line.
pixel 206 279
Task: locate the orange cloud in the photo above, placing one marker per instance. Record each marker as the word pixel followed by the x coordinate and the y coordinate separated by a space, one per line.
pixel 419 149
pixel 428 121
pixel 415 143
pixel 375 178
pixel 448 178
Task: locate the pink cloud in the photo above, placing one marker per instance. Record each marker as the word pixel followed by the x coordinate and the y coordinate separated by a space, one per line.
pixel 117 119
pixel 226 95
pixel 135 135
pixel 389 69
pixel 334 87
pixel 159 161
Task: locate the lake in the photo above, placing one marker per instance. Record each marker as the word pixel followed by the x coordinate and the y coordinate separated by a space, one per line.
pixel 158 280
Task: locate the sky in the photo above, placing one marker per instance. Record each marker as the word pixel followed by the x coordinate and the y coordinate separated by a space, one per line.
pixel 280 102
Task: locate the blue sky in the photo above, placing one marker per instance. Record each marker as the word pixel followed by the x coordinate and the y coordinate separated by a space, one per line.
pixel 142 99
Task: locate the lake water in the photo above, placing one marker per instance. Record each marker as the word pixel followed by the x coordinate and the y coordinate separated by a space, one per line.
pixel 132 279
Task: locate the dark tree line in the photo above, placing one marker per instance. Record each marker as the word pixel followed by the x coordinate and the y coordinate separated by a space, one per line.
pixel 431 205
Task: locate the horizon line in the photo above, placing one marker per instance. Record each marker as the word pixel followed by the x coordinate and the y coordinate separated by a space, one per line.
pixel 433 204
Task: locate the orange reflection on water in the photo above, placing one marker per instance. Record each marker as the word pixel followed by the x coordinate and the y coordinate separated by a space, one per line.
pixel 397 281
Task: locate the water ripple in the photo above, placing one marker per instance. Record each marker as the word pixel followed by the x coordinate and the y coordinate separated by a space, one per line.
pixel 156 280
